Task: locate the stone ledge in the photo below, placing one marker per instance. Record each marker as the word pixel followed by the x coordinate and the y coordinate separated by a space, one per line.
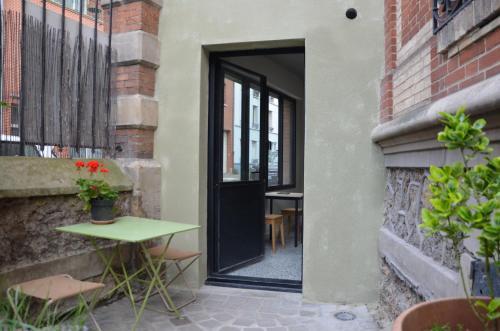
pixel 29 177
pixel 430 279
pixel 479 99
pixel 105 3
pixel 137 47
pixel 137 111
pixel 474 15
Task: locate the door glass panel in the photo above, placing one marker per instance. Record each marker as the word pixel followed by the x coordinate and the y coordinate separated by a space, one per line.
pixel 231 158
pixel 273 137
pixel 254 133
pixel 288 141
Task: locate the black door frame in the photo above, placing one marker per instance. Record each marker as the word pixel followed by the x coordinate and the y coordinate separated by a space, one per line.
pixel 213 157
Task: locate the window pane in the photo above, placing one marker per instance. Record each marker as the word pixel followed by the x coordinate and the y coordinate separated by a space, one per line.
pixel 288 141
pixel 254 134
pixel 273 136
pixel 231 159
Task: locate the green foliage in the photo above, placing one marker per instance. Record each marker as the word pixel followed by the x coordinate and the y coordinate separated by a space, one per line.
pixel 445 328
pixel 20 312
pixel 466 199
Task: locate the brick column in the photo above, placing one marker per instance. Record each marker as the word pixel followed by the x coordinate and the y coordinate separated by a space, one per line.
pixel 386 97
pixel 135 40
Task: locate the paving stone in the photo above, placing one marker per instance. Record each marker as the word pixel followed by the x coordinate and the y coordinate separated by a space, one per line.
pixel 243 322
pixel 189 328
pixel 277 328
pixel 229 328
pixel 180 321
pixel 229 309
pixel 266 322
pixel 307 313
pixel 210 324
pixel 223 317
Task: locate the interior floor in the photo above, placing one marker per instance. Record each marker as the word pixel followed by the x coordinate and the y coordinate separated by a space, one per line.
pixel 285 264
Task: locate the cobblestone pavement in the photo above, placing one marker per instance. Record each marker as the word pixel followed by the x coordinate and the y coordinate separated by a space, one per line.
pixel 229 309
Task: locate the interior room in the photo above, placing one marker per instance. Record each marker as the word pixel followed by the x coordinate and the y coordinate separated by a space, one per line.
pixel 245 140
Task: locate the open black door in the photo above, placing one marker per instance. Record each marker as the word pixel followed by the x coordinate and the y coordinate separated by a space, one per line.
pixel 237 172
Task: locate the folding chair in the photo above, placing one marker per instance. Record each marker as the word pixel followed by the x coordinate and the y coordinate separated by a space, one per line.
pixel 56 288
pixel 174 257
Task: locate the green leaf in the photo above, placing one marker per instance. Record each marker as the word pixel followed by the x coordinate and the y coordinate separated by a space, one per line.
pixel 437 174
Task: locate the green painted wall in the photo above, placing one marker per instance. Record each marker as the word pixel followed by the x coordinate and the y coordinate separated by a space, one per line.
pixel 343 177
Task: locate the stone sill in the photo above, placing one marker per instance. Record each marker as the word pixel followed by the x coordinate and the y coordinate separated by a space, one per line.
pixel 428 278
pixel 24 177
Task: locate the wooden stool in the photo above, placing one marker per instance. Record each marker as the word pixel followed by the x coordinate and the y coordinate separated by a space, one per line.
pixel 274 220
pixel 288 214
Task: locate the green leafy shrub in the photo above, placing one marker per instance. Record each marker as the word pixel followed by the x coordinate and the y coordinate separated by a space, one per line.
pixel 466 200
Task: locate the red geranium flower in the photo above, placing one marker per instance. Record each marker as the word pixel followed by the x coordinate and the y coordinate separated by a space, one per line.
pixel 79 164
pixel 104 170
pixel 93 164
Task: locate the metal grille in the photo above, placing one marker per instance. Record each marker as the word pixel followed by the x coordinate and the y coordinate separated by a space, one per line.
pixel 444 11
pixel 56 78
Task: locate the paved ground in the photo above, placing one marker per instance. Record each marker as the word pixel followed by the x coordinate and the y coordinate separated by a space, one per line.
pixel 228 309
pixel 286 263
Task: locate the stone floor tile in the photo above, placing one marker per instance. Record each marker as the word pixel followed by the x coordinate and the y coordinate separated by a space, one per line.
pixel 180 321
pixel 276 328
pixel 211 324
pixel 267 322
pixel 229 309
pixel 229 328
pixel 244 322
pixel 223 317
pixel 188 328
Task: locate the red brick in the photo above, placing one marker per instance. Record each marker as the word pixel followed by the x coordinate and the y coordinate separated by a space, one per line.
pixel 453 63
pixel 471 51
pixel 492 39
pixel 473 80
pixel 455 76
pixel 493 71
pixel 489 59
pixel 472 68
pixel 439 73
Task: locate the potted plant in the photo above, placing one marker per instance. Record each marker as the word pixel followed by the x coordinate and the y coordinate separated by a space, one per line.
pixel 465 202
pixel 97 195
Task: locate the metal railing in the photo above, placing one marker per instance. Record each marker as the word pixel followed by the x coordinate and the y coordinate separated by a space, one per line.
pixel 443 12
pixel 55 76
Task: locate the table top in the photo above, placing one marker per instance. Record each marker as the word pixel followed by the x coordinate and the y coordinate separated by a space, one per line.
pixel 284 195
pixel 128 228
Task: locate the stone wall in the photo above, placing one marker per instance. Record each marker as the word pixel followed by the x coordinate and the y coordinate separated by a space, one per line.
pixel 406 194
pixel 38 195
pixel 28 234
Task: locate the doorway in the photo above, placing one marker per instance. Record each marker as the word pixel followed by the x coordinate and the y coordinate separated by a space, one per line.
pixel 256 168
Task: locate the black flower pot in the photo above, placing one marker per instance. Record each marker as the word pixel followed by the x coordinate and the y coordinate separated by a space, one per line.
pixel 102 211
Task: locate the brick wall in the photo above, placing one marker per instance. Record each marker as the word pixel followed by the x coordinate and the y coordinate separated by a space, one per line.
pixel 416 73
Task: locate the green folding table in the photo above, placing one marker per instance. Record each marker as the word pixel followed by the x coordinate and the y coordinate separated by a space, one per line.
pixel 136 230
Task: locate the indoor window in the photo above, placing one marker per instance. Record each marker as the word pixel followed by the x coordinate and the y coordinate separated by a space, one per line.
pixel 281 136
